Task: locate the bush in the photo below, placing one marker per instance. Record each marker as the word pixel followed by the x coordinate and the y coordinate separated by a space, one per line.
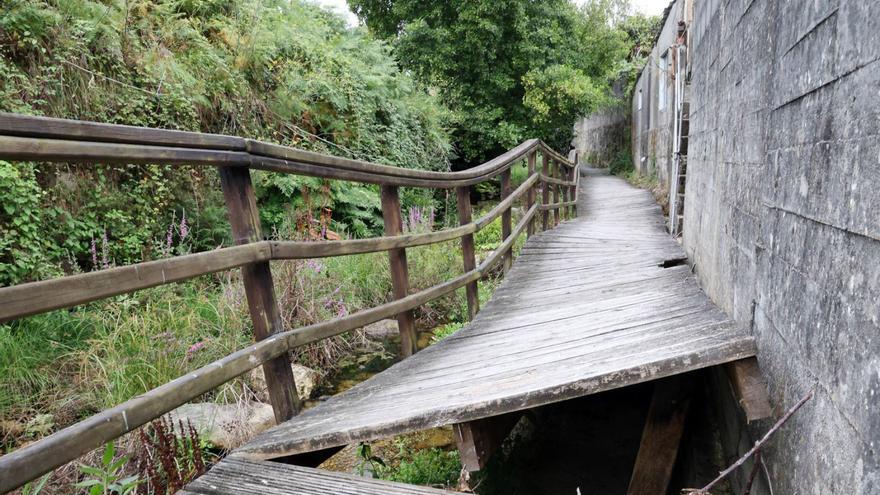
pixel 621 164
pixel 430 467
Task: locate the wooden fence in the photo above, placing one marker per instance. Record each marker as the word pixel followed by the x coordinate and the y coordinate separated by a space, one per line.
pixel 58 140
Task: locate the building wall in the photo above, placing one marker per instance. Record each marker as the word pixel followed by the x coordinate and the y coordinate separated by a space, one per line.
pixel 651 121
pixel 782 217
pixel 782 214
pixel 598 137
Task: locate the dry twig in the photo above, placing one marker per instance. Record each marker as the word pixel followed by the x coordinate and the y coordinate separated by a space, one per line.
pixel 753 451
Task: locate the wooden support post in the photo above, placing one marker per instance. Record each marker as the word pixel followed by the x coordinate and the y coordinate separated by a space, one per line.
pixel 530 195
pixel 576 178
pixel 545 192
pixel 467 249
pixel 478 440
pixel 244 217
pixel 399 271
pixel 749 388
pixel 555 172
pixel 505 219
pixel 564 173
pixel 661 436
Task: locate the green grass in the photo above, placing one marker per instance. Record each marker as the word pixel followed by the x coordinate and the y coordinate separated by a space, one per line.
pixel 446 330
pixel 429 467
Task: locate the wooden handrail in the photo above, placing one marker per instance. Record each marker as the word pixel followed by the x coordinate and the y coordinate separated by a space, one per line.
pixel 65 292
pixel 59 140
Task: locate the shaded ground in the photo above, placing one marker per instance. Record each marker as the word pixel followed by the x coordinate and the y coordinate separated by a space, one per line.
pixel 588 444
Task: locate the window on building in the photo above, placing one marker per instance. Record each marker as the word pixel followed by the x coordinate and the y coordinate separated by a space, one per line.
pixel 640 99
pixel 662 76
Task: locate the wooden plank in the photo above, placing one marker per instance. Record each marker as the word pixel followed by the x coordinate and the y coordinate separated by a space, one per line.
pixel 505 218
pixel 545 191
pixel 530 198
pixel 65 292
pixel 244 218
pixel 575 177
pixel 242 477
pixel 463 195
pixel 555 187
pixel 749 388
pixel 661 437
pixel 478 440
pixel 399 271
pixel 49 139
pixel 47 127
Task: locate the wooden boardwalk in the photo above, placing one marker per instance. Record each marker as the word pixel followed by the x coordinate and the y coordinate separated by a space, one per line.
pixel 271 478
pixel 600 302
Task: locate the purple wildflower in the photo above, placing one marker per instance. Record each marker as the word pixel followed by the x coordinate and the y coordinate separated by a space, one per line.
pixel 94 249
pixel 184 228
pixel 315 265
pixel 194 349
pixel 104 246
pixel 169 239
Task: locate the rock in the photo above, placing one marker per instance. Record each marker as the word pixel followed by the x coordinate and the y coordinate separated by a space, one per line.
pixel 306 380
pixel 226 425
pixel 382 329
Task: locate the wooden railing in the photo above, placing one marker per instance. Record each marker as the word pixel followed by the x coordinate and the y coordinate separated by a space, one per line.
pixel 57 140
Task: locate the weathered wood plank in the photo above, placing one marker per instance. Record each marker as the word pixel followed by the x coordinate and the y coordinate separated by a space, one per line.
pixel 468 253
pixel 749 388
pixel 47 127
pixel 244 217
pixel 664 426
pixel 399 270
pixel 242 477
pixel 478 440
pixel 64 292
pixel 61 140
pixel 506 218
pixel 530 198
pixel 545 190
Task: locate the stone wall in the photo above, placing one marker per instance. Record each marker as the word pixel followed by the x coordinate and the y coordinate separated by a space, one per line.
pixel 600 136
pixel 782 217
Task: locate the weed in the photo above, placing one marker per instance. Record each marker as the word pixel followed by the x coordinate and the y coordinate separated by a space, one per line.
pixel 109 477
pixel 446 330
pixel 169 455
pixel 429 467
pixel 36 489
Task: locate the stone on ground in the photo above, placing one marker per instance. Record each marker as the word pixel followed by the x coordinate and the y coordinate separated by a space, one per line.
pixel 226 425
pixel 306 380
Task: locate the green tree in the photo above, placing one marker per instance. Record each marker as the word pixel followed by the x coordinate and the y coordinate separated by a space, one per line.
pixel 508 70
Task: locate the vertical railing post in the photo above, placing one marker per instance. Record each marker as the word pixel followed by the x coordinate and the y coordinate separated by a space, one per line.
pixel 555 168
pixel 244 217
pixel 467 249
pixel 575 177
pixel 545 191
pixel 505 220
pixel 564 173
pixel 399 271
pixel 530 195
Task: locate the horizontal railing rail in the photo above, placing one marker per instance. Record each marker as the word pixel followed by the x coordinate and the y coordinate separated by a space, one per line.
pixel 59 140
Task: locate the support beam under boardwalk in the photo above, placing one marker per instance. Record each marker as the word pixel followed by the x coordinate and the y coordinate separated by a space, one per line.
pixel 478 440
pixel 661 436
pixel 240 477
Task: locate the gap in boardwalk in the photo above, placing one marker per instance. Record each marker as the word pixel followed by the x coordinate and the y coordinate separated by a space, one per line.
pixel 591 443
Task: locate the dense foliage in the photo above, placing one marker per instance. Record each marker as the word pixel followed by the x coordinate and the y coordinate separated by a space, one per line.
pixel 276 70
pixel 508 70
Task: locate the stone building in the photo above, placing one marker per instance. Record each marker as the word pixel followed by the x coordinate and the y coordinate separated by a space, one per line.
pixel 762 118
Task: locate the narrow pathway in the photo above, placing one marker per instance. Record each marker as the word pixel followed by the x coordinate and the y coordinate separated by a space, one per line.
pixel 598 303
